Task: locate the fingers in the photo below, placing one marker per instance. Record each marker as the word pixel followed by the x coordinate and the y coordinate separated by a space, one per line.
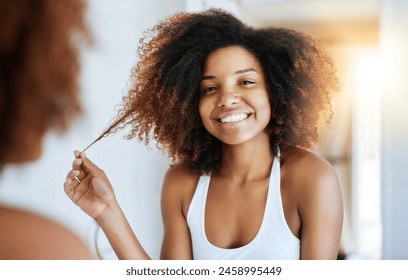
pixel 81 167
pixel 74 190
pixel 77 172
pixel 78 179
pixel 77 153
pixel 74 176
pixel 87 165
pixel 74 186
pixel 69 188
pixel 83 164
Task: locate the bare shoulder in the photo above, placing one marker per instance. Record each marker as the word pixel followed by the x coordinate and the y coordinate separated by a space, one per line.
pixel 307 167
pixel 310 176
pixel 176 174
pixel 179 181
pixel 26 235
pixel 314 191
pixel 179 187
pixel 178 190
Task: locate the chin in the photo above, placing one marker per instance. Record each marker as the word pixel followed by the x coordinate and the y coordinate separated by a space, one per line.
pixel 234 140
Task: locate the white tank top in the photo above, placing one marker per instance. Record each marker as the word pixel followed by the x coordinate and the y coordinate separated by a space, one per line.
pixel 274 240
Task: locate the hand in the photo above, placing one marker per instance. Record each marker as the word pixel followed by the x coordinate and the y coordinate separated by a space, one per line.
pixel 88 187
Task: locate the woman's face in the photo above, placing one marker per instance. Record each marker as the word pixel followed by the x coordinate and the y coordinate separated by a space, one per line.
pixel 234 103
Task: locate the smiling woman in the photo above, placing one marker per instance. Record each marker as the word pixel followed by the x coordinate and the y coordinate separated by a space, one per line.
pixel 235 108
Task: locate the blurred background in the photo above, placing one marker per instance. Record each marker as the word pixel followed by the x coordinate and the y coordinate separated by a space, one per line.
pixel 366 141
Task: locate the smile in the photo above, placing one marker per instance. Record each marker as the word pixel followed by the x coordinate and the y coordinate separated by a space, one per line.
pixel 233 118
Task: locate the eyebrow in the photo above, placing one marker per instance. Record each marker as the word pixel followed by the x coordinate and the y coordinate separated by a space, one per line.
pixel 236 73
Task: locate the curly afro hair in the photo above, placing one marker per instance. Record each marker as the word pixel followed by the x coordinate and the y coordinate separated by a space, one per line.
pixel 39 67
pixel 162 102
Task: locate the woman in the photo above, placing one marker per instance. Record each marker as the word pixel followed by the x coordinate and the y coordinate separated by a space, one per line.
pixel 38 92
pixel 235 107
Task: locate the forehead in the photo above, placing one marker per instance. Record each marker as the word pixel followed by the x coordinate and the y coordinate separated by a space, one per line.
pixel 231 58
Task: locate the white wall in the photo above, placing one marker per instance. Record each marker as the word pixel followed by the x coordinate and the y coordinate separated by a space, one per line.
pixel 135 172
pixel 394 30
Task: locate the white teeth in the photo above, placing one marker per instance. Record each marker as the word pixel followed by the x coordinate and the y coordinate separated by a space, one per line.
pixel 234 118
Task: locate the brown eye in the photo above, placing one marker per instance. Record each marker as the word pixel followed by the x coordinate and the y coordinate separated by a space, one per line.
pixel 209 90
pixel 246 82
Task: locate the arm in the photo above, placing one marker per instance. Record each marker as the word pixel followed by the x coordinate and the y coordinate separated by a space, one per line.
pixel 178 190
pixel 321 211
pixel 120 234
pixel 95 196
pixel 27 236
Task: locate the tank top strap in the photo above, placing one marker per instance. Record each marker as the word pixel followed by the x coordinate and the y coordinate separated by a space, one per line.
pixel 197 204
pixel 273 194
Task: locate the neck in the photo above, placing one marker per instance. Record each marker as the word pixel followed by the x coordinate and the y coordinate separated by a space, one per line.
pixel 247 161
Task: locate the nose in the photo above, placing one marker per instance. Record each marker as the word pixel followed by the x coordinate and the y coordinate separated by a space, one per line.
pixel 228 98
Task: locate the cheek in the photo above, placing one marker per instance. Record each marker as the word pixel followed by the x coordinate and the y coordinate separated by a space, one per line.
pixel 204 110
pixel 267 106
pixel 263 108
pixel 268 113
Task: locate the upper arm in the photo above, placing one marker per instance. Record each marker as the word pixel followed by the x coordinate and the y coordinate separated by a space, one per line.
pixel 177 188
pixel 29 236
pixel 321 212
